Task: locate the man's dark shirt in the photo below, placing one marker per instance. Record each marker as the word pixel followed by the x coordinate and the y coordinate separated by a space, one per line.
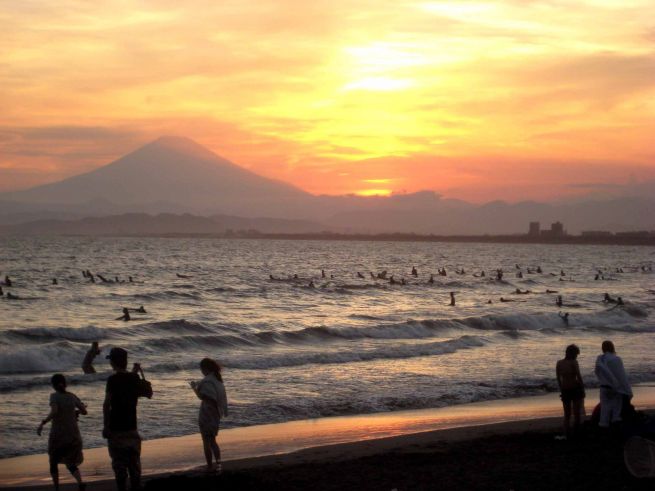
pixel 122 388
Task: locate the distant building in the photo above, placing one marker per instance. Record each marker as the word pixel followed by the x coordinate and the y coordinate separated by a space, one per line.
pixel 596 233
pixel 556 230
pixel 535 229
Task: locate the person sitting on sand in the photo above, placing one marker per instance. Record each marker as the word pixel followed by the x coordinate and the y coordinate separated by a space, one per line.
pixel 565 318
pixel 452 299
pixel 211 391
pixel 126 315
pixel 87 363
pixel 571 388
pixel 414 271
pixel 615 390
pixel 65 441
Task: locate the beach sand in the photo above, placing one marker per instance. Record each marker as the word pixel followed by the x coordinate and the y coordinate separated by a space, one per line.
pixel 505 444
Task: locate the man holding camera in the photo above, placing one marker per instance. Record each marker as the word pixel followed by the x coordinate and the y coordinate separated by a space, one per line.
pixel 120 421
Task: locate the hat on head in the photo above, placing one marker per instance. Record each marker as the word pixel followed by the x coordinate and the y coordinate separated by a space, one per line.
pixel 117 354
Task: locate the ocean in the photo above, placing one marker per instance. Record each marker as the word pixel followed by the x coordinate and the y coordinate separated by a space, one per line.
pixel 290 351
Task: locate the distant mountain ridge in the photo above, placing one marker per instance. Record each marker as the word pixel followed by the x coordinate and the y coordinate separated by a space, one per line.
pixel 175 176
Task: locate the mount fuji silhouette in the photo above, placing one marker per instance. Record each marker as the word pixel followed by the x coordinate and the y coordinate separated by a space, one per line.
pixel 170 173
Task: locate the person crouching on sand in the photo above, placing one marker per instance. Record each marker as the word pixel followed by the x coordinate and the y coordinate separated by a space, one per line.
pixel 65 441
pixel 211 391
pixel 571 388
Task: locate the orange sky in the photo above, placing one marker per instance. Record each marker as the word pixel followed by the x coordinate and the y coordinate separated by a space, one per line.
pixel 478 100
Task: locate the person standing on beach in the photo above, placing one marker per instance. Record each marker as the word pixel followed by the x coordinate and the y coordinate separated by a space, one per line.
pixel 120 419
pixel 615 390
pixel 571 388
pixel 65 441
pixel 211 391
pixel 87 363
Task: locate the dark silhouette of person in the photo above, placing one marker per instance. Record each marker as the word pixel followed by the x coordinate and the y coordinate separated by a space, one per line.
pixel 619 301
pixel 7 281
pixel 87 363
pixel 322 273
pixel 129 279
pixel 608 299
pixel 452 299
pixel 539 270
pixel 565 318
pixel 126 315
pixel 65 441
pixel 391 280
pixel 372 275
pixel 571 388
pixel 519 274
pixel 120 419
pixel 431 280
pixel 54 281
pixel 295 276
pixel 311 284
pixel 211 391
pixel 360 275
pixel 558 301
pixel 414 271
pixel 499 274
pixel 83 274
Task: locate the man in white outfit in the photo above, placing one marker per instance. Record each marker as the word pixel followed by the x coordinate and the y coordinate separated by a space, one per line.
pixel 614 385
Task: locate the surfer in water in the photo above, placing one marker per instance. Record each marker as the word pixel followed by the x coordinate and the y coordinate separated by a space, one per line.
pixel 126 315
pixel 87 363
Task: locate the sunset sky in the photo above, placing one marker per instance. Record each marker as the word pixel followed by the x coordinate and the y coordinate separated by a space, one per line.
pixel 510 99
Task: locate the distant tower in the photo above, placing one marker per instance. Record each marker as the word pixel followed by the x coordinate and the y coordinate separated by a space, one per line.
pixel 535 229
pixel 557 229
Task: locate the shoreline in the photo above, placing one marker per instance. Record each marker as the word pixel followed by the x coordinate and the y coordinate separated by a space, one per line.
pixel 306 441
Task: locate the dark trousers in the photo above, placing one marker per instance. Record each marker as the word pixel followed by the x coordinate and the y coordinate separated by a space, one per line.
pixel 125 452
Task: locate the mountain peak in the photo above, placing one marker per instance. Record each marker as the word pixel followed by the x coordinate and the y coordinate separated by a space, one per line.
pixel 180 144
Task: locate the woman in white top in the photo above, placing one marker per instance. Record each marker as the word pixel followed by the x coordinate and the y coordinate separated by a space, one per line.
pixel 65 441
pixel 211 391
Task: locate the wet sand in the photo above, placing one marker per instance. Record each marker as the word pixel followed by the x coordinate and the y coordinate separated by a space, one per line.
pixel 493 445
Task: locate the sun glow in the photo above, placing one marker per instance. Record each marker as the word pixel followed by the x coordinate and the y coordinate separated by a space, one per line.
pixel 432 94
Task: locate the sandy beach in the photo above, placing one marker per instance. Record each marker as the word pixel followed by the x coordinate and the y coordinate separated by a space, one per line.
pixel 468 445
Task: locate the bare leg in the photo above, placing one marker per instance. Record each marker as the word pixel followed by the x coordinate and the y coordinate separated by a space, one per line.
pixel 54 472
pixel 215 449
pixel 75 472
pixel 206 446
pixel 577 412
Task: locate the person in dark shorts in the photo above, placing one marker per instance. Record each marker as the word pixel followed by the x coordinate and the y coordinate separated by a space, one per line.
pixel 65 441
pixel 87 363
pixel 120 419
pixel 571 388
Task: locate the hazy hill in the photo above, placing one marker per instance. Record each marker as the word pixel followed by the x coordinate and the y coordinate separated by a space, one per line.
pixel 162 224
pixel 171 170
